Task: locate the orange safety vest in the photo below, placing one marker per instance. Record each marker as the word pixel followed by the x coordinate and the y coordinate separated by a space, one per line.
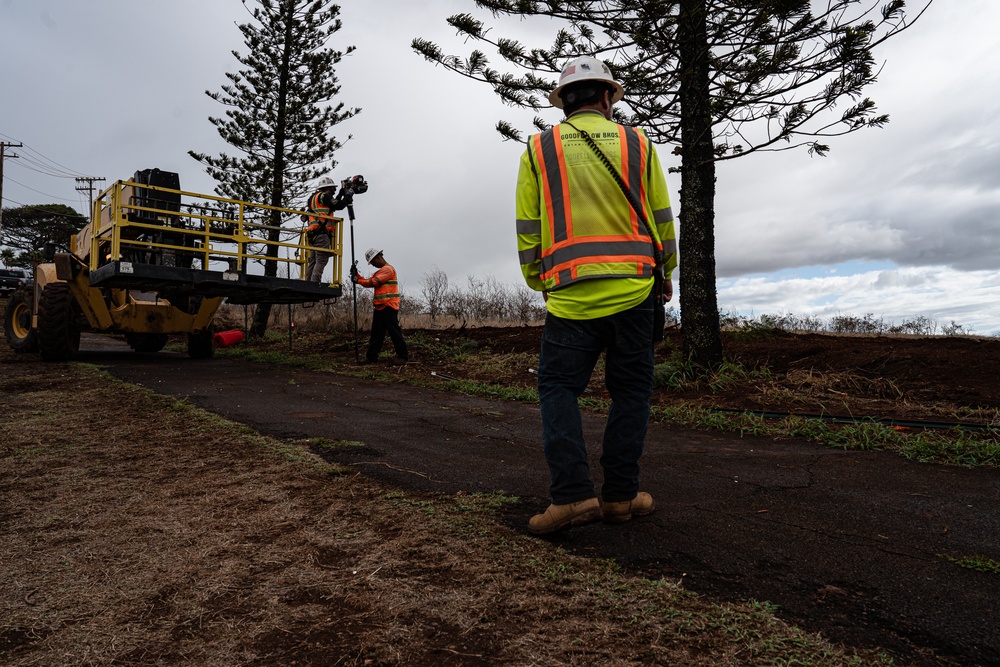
pixel 324 219
pixel 616 243
pixel 386 288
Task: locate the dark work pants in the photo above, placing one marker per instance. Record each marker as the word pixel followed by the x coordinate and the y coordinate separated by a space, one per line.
pixel 570 350
pixel 319 255
pixel 386 320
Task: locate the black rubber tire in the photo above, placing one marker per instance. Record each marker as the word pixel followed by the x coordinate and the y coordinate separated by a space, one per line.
pixel 146 343
pixel 58 331
pixel 17 322
pixel 201 345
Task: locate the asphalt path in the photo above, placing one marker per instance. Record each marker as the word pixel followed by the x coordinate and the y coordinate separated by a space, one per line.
pixel 857 545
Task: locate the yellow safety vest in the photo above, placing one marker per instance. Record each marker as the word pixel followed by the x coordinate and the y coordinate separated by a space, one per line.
pixel 573 221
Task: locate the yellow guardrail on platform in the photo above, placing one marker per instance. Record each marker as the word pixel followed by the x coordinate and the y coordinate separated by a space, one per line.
pixel 135 222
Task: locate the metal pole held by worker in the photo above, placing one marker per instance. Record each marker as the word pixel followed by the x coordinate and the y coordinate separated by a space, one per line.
pixel 354 285
pixel 348 188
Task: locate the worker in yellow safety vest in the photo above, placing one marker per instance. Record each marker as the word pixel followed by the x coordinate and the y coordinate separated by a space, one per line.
pixel 322 226
pixel 595 235
pixel 385 299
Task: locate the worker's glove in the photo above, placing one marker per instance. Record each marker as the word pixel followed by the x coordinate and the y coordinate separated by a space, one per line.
pixel 354 278
pixel 344 199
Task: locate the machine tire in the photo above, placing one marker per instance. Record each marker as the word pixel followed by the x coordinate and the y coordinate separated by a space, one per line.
pixel 17 322
pixel 146 343
pixel 58 331
pixel 201 345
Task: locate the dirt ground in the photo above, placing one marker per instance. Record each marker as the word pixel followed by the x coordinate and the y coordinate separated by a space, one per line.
pixel 255 560
pixel 939 379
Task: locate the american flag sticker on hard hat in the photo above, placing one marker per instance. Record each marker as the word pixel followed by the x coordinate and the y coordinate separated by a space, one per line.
pixel 569 70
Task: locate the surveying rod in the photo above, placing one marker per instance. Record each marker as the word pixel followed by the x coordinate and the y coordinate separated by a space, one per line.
pixel 354 284
pixel 348 188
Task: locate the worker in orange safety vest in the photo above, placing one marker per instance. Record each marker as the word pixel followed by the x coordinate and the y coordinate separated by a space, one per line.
pixel 322 227
pixel 386 298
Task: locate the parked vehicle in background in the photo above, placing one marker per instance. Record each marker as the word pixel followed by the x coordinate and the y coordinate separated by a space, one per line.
pixel 11 279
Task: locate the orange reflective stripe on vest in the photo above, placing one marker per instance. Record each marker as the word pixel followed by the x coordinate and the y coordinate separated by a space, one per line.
pixel 324 217
pixel 386 287
pixel 615 243
pixel 387 294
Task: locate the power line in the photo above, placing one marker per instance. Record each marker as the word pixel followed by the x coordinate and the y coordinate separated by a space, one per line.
pixel 28 187
pixel 33 160
pixel 39 159
pixel 39 167
pixel 89 180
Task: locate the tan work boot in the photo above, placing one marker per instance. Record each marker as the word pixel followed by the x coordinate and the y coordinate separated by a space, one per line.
pixel 622 511
pixel 557 517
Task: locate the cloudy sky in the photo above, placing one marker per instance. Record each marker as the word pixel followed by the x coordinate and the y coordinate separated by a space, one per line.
pixel 898 223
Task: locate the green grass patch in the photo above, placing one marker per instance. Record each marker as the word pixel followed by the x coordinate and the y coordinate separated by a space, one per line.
pixel 456 349
pixel 977 563
pixel 493 390
pixel 508 364
pixel 482 503
pixel 679 374
pixel 426 506
pixel 955 446
pixel 327 444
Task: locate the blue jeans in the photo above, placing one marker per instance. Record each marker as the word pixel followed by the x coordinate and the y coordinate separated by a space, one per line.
pixel 570 349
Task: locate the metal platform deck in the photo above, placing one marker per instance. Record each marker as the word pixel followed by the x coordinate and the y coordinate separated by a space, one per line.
pixel 237 287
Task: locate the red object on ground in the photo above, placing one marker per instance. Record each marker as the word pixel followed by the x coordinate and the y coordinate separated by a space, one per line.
pixel 227 338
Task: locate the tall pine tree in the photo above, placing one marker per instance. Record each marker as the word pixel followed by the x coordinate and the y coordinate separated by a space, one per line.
pixel 720 78
pixel 279 112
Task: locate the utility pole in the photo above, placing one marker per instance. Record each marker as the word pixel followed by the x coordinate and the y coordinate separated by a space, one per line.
pixel 3 147
pixel 89 180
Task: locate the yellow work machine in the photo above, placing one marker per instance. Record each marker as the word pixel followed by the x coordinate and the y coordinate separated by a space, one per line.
pixel 155 261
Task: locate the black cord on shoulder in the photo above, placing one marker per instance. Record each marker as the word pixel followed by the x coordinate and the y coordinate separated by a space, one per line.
pixel 633 202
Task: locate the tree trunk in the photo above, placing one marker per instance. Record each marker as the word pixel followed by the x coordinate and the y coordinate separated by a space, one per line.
pixel 701 334
pixel 263 313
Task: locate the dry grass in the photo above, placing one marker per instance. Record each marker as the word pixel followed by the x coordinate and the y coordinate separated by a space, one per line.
pixel 811 382
pixel 831 391
pixel 137 530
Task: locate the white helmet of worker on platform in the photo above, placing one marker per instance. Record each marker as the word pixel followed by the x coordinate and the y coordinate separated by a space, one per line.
pixel 326 182
pixel 372 253
pixel 582 69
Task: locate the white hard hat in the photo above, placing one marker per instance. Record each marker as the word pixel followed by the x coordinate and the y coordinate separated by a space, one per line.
pixel 585 68
pixel 372 253
pixel 326 182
